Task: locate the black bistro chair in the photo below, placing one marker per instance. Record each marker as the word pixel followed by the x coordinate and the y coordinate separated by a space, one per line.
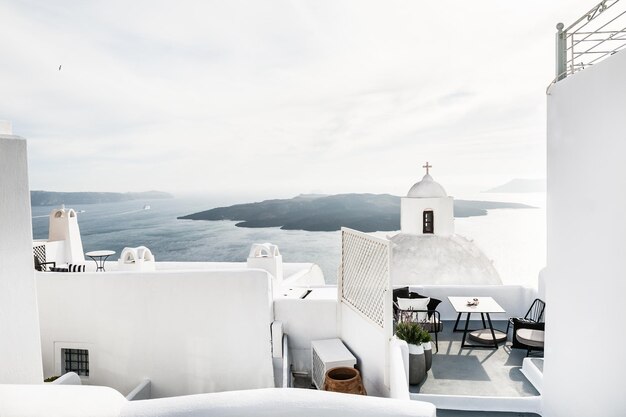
pixel 43 266
pixel 533 320
pixel 534 315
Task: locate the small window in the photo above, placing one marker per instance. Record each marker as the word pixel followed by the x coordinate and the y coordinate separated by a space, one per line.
pixel 76 360
pixel 429 219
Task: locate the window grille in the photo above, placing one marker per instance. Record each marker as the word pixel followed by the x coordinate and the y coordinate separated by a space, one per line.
pixel 76 360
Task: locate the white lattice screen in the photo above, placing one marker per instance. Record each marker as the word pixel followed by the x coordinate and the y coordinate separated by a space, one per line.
pixel 365 273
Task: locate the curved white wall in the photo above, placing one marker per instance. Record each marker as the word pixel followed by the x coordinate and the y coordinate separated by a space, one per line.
pixel 20 354
pixel 286 402
pixel 51 400
pixel 188 332
pixel 69 401
pixel 585 279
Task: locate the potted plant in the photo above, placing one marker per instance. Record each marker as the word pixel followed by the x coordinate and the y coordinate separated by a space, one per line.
pixel 412 334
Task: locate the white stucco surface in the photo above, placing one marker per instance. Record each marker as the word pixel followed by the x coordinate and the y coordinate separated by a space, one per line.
pixel 63 227
pixel 427 187
pixel 20 352
pixel 305 320
pixel 278 402
pixel 585 278
pixel 412 215
pixel 188 332
pixel 440 260
pixel 49 400
pixel 514 299
pixel 80 401
pixel 370 345
pixel 399 369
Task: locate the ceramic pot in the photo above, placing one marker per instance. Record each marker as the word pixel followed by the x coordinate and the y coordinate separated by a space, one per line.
pixel 428 355
pixel 344 379
pixel 417 364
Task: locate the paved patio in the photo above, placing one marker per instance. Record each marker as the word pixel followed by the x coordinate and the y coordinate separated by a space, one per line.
pixel 473 371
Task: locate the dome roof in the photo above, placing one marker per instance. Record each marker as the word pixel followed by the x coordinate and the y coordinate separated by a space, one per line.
pixel 440 260
pixel 427 188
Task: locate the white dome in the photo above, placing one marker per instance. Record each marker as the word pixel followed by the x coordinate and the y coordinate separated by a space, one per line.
pixel 427 188
pixel 440 260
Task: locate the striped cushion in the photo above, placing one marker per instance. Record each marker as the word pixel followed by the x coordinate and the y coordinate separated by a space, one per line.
pixel 76 268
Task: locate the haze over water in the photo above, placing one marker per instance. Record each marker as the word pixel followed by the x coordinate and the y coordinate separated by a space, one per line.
pixel 514 239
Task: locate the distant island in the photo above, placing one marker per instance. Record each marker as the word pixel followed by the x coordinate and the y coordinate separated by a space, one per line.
pixel 53 198
pixel 365 212
pixel 520 185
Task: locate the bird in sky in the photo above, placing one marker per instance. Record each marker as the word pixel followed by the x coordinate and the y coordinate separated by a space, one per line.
pixel 60 67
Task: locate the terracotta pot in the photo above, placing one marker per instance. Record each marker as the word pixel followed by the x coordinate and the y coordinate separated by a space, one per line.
pixel 344 379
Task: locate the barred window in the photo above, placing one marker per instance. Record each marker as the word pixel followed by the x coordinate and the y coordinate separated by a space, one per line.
pixel 76 360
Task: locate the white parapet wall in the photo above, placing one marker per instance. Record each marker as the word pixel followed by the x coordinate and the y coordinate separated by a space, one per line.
pixel 279 403
pixel 20 352
pixel 585 279
pixel 80 401
pixel 187 331
pixel 514 299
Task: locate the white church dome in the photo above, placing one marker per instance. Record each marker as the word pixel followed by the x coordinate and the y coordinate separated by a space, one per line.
pixel 440 260
pixel 427 188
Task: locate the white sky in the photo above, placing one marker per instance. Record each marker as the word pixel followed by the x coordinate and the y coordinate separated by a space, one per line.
pixel 275 98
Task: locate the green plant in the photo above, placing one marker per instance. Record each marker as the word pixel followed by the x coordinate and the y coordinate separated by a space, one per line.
pixel 52 378
pixel 426 337
pixel 410 332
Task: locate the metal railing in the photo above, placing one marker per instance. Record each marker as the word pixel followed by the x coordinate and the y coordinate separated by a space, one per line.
pixel 598 34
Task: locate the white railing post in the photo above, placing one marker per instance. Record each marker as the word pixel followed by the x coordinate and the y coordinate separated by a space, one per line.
pixel 561 52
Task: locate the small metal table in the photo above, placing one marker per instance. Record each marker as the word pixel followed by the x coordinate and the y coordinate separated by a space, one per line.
pixel 486 305
pixel 99 257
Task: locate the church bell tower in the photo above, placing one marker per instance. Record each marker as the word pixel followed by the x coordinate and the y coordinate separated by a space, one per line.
pixel 427 209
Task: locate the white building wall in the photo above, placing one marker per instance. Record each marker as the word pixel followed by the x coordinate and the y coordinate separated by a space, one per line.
pixel 369 344
pixel 585 280
pixel 187 331
pixel 306 320
pixel 412 212
pixel 20 354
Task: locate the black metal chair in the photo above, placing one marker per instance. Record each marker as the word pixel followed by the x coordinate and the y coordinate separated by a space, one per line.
pixel 529 338
pixel 533 320
pixel 533 315
pixel 42 266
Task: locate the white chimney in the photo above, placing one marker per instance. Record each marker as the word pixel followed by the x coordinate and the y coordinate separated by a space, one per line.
pixel 5 127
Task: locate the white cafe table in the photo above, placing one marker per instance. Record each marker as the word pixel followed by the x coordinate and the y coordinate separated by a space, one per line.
pixel 488 335
pixel 100 257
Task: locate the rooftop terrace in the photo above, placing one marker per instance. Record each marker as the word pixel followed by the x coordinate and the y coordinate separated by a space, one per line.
pixel 472 371
pixel 458 373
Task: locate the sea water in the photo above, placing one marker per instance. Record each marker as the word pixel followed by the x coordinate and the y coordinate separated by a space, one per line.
pixel 515 239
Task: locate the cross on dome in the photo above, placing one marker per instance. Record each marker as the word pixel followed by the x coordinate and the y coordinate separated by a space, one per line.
pixel 427 187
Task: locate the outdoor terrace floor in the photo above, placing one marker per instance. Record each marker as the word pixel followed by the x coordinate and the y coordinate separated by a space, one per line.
pixel 475 371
